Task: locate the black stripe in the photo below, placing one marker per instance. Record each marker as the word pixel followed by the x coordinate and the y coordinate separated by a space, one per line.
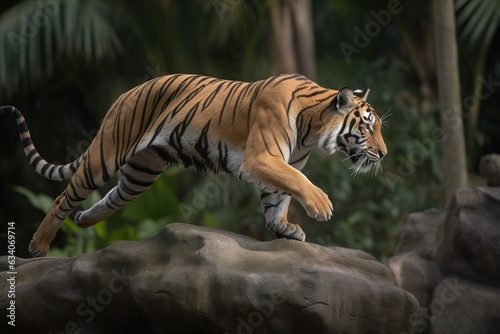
pixel 36 161
pixel 72 167
pixel 287 77
pixel 300 159
pixel 51 171
pixel 105 175
pixel 119 193
pixel 130 191
pixel 89 178
pixel 239 98
pixel 278 145
pixel 27 142
pixel 136 181
pixel 163 154
pixel 308 130
pixel 143 169
pixel 267 146
pixel 223 157
pixel 256 90
pixel 112 208
pixel 68 200
pixel 158 130
pixel 180 106
pixel 75 197
pixel 264 195
pixel 60 170
pixel 31 154
pixel 23 127
pixel 210 98
pixel 268 206
pixel 201 145
pixel 293 98
pixel 234 87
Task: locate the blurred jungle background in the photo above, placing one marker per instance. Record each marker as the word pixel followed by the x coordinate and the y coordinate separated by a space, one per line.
pixel 63 62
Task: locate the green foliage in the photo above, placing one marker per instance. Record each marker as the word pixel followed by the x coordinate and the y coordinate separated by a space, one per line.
pixel 34 34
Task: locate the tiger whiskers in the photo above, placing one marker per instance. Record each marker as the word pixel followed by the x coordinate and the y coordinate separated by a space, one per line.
pixel 377 168
pixel 384 117
pixel 359 153
pixel 360 167
pixel 365 166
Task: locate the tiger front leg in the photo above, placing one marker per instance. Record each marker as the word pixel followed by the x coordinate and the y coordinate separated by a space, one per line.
pixel 280 180
pixel 275 208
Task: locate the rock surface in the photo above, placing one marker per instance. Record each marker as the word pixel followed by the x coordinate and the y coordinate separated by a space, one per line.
pixel 463 306
pixel 469 237
pixel 489 168
pixel 450 260
pixel 189 279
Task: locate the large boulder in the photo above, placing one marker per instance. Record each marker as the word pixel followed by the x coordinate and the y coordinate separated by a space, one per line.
pixel 189 279
pixel 414 266
pixel 469 238
pixel 489 168
pixel 450 260
pixel 464 306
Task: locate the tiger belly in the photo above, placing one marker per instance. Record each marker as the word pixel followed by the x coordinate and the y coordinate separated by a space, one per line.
pixel 197 151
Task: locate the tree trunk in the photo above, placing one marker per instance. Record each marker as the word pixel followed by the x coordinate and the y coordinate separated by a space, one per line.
pixel 454 162
pixel 292 38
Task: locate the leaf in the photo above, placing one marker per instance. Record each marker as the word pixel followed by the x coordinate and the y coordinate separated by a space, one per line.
pixel 41 201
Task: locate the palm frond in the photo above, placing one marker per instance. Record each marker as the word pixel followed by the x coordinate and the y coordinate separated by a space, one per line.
pixel 34 35
pixel 478 20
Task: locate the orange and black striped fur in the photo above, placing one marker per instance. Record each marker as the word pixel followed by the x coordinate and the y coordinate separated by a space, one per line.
pixel 261 132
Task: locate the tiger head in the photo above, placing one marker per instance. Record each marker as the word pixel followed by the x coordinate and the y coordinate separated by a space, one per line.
pixel 359 134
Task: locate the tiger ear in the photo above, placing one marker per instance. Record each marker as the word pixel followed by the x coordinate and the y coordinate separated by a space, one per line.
pixel 362 93
pixel 342 102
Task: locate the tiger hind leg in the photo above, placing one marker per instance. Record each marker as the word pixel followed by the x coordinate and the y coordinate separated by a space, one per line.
pixel 275 206
pixel 137 175
pixel 62 206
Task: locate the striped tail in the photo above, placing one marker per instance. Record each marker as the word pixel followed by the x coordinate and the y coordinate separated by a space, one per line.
pixel 41 166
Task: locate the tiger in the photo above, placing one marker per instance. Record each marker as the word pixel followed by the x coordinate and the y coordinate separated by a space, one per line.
pixel 261 132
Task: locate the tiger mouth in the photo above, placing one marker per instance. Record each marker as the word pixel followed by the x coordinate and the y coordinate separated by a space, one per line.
pixel 355 155
pixel 363 163
pixel 355 158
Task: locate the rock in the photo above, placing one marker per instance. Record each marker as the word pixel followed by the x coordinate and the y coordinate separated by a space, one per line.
pixel 413 265
pixel 190 279
pixel 469 238
pixel 461 307
pixel 416 274
pixel 450 260
pixel 354 252
pixel 419 233
pixel 489 168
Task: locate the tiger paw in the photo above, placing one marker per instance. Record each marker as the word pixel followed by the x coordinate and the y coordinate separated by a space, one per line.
pixel 38 249
pixel 76 218
pixel 317 205
pixel 83 221
pixel 289 231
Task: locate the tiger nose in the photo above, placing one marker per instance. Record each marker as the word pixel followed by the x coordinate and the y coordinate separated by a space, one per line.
pixel 381 154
